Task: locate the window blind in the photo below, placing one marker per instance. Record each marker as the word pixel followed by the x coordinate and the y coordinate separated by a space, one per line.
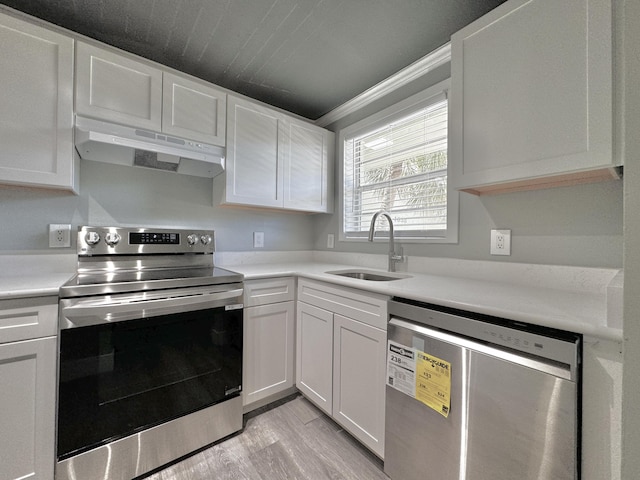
pixel 399 166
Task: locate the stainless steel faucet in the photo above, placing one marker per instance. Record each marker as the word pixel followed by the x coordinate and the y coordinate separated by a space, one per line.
pixel 393 256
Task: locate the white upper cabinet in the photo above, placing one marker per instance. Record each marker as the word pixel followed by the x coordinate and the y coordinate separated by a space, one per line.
pixel 308 156
pixel 276 161
pixel 531 96
pixel 112 87
pixel 193 110
pixel 254 168
pixel 118 88
pixel 36 106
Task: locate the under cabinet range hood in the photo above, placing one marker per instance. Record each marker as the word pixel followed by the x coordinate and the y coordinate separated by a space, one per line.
pixel 111 143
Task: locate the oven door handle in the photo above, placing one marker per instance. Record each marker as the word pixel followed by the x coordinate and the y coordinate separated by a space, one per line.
pixel 87 313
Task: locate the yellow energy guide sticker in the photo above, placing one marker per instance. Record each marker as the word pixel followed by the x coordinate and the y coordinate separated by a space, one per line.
pixel 433 382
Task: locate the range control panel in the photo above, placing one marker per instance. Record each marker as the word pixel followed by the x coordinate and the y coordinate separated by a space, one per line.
pixel 143 241
pixel 154 238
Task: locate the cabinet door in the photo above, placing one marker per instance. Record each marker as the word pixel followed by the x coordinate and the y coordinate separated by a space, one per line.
pixel 314 355
pixel 36 106
pixel 27 403
pixel 359 356
pixel 254 168
pixel 116 88
pixel 532 95
pixel 268 350
pixel 308 151
pixel 193 110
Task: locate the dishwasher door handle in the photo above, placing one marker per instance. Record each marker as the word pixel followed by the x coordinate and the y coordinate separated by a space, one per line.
pixel 550 367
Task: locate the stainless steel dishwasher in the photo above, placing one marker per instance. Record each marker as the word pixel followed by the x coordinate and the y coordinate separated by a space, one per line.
pixel 473 397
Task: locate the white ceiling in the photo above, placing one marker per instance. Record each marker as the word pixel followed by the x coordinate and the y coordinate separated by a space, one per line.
pixel 305 56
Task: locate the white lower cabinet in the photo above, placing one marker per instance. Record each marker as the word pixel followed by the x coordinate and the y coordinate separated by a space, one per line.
pixel 269 319
pixel 341 357
pixel 359 359
pixel 314 358
pixel 27 391
pixel 269 350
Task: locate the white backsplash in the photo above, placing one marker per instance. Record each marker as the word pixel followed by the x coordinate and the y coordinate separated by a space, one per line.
pixel 263 257
pixel 576 279
pixel 37 263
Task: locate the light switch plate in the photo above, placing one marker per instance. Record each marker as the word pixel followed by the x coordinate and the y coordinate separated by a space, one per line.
pixel 258 239
pixel 331 240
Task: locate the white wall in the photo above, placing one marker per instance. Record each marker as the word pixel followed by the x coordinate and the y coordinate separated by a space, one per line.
pixel 631 136
pixel 577 226
pixel 118 195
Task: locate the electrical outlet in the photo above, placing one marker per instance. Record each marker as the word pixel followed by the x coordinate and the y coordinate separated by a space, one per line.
pixel 258 239
pixel 500 242
pixel 331 240
pixel 59 235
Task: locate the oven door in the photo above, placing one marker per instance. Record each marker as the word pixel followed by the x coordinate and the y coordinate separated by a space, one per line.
pixel 132 361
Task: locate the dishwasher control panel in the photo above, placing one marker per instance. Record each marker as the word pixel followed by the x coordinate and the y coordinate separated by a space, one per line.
pixel 561 347
pixel 515 339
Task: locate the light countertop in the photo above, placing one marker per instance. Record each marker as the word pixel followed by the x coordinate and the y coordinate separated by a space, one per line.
pixel 586 301
pixel 34 275
pixel 29 285
pixel 578 312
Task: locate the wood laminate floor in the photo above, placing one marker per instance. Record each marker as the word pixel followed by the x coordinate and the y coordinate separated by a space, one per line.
pixel 291 440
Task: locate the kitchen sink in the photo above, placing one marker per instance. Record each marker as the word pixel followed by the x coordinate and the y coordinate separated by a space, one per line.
pixel 369 275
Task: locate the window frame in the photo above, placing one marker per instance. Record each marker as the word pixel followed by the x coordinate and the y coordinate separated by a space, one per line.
pixel 401 109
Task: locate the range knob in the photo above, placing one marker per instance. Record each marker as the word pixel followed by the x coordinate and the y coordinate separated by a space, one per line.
pixel 192 239
pixel 92 238
pixel 112 239
pixel 205 239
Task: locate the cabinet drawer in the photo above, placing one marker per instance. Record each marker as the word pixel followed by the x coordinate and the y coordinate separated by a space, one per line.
pixel 369 308
pixel 270 290
pixel 28 318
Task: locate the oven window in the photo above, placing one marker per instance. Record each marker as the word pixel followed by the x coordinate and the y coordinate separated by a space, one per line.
pixel 117 379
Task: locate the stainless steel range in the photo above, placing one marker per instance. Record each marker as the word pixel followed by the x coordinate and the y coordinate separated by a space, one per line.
pixel 150 363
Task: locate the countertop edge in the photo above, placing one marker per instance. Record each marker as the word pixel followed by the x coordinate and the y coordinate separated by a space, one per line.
pixel 44 285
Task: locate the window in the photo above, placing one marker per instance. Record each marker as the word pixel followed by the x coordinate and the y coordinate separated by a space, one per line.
pixel 397 161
